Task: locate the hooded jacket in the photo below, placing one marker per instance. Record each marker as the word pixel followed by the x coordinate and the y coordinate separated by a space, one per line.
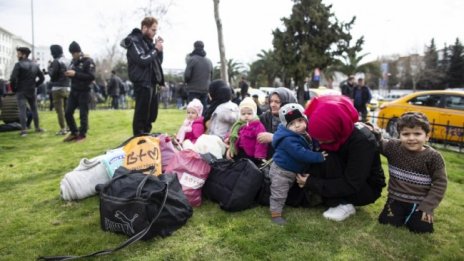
pixel 57 68
pixel 293 152
pixel 143 60
pixel 198 73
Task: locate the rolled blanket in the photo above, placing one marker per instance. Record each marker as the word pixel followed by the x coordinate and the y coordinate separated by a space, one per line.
pixel 80 183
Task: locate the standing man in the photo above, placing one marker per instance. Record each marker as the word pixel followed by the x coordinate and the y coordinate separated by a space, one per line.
pixel 361 97
pixel 144 58
pixel 82 74
pixel 114 89
pixel 198 74
pixel 60 85
pixel 243 87
pixel 24 83
pixel 348 86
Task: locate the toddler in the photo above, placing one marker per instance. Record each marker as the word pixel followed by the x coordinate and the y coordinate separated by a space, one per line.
pixel 417 176
pixel 244 133
pixel 193 127
pixel 293 152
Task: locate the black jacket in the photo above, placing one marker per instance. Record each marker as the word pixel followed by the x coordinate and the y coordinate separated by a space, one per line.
pixel 360 164
pixel 24 77
pixel 143 60
pixel 56 71
pixel 85 74
pixel 198 73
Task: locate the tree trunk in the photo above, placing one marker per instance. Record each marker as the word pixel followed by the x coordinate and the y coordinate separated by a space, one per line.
pixel 222 50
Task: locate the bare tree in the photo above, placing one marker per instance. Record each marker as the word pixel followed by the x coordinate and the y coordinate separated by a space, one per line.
pixel 222 49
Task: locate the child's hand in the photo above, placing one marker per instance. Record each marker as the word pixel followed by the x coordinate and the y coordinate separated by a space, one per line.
pixel 427 217
pixel 324 154
pixel 228 154
pixel 301 179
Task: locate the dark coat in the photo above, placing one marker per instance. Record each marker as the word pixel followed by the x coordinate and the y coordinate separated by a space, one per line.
pixel 85 74
pixel 56 71
pixel 24 77
pixel 198 73
pixel 143 60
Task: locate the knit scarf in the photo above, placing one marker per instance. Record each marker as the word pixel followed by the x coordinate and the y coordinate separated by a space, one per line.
pixel 234 135
pixel 184 128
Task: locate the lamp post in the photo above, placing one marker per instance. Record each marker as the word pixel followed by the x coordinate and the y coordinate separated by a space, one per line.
pixel 32 21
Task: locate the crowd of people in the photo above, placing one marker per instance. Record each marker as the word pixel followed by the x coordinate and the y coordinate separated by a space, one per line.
pixel 321 154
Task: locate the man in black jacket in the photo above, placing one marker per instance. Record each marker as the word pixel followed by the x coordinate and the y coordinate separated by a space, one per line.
pixel 144 58
pixel 24 83
pixel 60 85
pixel 82 74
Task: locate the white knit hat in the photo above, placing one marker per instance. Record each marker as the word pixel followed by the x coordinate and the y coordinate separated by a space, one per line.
pixel 290 112
pixel 248 103
pixel 196 105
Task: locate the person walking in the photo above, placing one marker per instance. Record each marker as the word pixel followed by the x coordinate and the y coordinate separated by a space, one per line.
pixel 60 85
pixel 144 58
pixel 82 74
pixel 24 83
pixel 114 90
pixel 198 74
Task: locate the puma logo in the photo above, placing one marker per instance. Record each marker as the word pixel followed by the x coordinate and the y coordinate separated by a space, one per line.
pixel 127 221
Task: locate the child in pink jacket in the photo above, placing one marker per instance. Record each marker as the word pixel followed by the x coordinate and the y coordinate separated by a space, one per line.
pixel 243 136
pixel 193 127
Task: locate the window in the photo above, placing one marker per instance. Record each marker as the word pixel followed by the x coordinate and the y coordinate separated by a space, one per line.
pixel 431 100
pixel 454 102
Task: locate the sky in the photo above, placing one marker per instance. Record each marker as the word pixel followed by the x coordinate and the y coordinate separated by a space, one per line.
pixel 389 27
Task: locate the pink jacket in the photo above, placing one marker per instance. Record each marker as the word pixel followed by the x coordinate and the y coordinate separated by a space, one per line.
pixel 247 140
pixel 197 130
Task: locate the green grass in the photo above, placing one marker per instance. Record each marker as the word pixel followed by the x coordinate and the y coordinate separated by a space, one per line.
pixel 35 221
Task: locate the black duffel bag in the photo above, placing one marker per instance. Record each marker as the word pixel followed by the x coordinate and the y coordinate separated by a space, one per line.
pixel 140 206
pixel 233 184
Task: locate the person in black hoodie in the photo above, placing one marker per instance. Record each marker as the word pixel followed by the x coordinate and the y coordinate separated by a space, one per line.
pixel 60 85
pixel 24 83
pixel 144 58
pixel 82 74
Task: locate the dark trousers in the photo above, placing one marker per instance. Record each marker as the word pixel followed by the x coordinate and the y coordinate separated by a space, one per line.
pixel 146 109
pixel 23 100
pixel 115 102
pixel 203 97
pixel 399 213
pixel 75 100
pixel 362 110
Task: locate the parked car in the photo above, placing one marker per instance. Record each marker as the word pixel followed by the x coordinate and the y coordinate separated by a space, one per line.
pixel 444 109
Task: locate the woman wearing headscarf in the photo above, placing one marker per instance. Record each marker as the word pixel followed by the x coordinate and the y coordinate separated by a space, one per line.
pixel 222 112
pixel 352 174
pixel 270 119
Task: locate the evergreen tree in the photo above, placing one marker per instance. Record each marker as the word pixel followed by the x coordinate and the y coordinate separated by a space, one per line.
pixel 432 77
pixel 456 65
pixel 311 38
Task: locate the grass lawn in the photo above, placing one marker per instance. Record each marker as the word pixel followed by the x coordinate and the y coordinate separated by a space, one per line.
pixel 35 221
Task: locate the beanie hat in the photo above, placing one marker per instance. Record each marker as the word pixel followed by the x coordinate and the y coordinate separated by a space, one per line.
pixel 74 47
pixel 56 50
pixel 198 45
pixel 248 103
pixel 196 105
pixel 290 112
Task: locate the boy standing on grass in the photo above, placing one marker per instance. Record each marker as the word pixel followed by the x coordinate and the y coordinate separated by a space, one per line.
pixel 293 152
pixel 417 176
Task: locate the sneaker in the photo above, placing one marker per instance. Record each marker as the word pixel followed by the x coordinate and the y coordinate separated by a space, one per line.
pixel 61 132
pixel 340 212
pixel 23 133
pixel 39 130
pixel 279 220
pixel 70 137
pixel 80 138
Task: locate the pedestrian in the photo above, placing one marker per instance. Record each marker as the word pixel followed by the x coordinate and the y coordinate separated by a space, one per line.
pixel 243 85
pixel 60 85
pixel 24 83
pixel 114 90
pixel 198 74
pixel 82 74
pixel 144 58
pixel 361 97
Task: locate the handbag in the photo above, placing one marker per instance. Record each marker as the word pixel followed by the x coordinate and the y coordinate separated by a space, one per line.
pixel 140 206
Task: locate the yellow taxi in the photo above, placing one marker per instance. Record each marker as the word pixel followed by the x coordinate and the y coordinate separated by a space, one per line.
pixel 444 109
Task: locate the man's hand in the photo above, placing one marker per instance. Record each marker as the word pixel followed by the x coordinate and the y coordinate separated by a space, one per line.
pixel 427 217
pixel 159 44
pixel 70 73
